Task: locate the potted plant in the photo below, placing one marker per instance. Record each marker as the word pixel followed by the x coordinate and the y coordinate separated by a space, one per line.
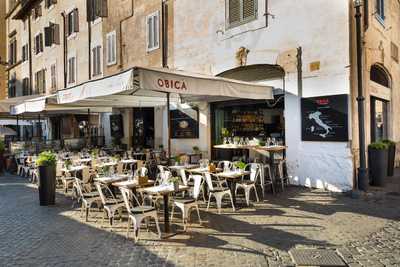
pixel 391 156
pixel 177 160
pixel 378 162
pixel 240 165
pixel 68 164
pixel 174 180
pixel 196 149
pixel 46 163
pixel 262 143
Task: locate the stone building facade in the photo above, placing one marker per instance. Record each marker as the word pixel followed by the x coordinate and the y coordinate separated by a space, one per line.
pixel 3 49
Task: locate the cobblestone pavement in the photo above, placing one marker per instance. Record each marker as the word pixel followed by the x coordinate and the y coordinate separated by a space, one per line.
pixel 364 232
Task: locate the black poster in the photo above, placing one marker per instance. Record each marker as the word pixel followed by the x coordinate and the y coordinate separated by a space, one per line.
pixel 325 118
pixel 116 126
pixel 184 123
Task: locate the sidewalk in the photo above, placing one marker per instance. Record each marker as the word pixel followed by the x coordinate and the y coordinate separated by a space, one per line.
pixel 364 232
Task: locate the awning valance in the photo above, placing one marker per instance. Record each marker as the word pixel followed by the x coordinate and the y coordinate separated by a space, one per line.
pixel 148 86
pixel 6 104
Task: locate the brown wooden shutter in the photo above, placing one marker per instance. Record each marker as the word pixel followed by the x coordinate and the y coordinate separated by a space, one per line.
pixel 41 42
pixel 34 45
pixel 234 11
pixel 101 8
pixel 249 9
pixel 48 36
pixel 89 10
pixel 76 20
pixel 56 33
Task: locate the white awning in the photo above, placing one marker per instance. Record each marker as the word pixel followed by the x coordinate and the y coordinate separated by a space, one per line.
pixel 6 104
pixel 48 103
pixel 148 86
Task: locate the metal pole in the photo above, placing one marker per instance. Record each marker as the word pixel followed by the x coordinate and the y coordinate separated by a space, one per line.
pixel 89 133
pixel 17 128
pixel 169 126
pixel 363 180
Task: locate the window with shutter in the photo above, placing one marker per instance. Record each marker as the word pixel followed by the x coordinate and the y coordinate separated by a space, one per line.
pixel 48 36
pixel 38 43
pixel 12 56
pixel 241 11
pixel 153 31
pixel 53 73
pixel 380 10
pixel 25 87
pixel 111 39
pixel 72 70
pixel 96 58
pixel 73 22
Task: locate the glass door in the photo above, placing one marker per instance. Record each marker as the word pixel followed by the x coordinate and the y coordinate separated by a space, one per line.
pixel 379 119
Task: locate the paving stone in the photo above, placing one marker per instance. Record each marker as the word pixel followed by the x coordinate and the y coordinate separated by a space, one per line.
pixel 363 232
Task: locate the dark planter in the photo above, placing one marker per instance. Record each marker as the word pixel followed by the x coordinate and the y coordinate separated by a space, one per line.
pixel 47 185
pixel 391 158
pixel 378 165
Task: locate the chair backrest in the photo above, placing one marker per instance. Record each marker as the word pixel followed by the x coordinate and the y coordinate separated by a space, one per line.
pixel 78 186
pixel 101 193
pixel 209 180
pixel 127 195
pixel 142 171
pixel 198 181
pixel 120 168
pixel 255 171
pixel 204 163
pixel 162 168
pixel 59 167
pixel 182 173
pixel 225 165
pixel 86 175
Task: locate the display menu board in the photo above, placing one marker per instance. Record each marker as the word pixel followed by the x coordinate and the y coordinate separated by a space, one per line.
pixel 325 118
pixel 184 123
pixel 117 129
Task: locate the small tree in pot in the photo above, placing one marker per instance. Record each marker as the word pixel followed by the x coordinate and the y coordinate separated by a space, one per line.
pixel 47 178
pixel 391 156
pixel 378 162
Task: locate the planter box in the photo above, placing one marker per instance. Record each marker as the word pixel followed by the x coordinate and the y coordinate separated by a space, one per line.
pixel 47 185
pixel 378 166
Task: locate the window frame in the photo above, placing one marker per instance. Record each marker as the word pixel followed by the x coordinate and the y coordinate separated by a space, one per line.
pixel 41 45
pixel 111 38
pixel 96 61
pixel 153 15
pixel 242 21
pixel 42 80
pixel 380 11
pixel 12 51
pixel 74 72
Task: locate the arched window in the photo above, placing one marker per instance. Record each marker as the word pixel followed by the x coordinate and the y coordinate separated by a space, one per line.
pixel 379 75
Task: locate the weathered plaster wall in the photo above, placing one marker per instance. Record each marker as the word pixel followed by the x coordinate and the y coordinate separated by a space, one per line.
pixel 3 48
pixel 323 36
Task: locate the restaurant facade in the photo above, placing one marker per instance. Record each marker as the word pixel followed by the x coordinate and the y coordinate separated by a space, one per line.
pixel 309 66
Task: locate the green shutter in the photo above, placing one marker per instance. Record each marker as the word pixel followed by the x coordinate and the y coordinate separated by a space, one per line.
pixel 249 9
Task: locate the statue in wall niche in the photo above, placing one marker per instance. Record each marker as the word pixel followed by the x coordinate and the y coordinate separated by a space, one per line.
pixel 241 56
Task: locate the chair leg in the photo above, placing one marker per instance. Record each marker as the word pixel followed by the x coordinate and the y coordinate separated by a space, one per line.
pixel 247 195
pixel 255 191
pixel 209 199
pixel 127 227
pixel 233 206
pixel 198 213
pixel 218 199
pixel 158 227
pixel 172 212
pixel 104 218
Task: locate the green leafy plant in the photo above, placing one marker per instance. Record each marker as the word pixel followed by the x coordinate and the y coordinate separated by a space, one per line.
pixel 68 163
pixel 389 142
pixel 47 158
pixel 177 159
pixel 196 149
pixel 174 179
pixel 95 153
pixel 262 143
pixel 378 146
pixel 225 132
pixel 240 165
pixel 161 147
pixel 2 146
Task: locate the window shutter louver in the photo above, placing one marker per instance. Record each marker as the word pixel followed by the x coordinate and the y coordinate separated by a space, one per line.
pixel 234 11
pixel 249 9
pixel 89 10
pixel 156 31
pixel 101 8
pixel 56 34
pixel 150 31
pixel 76 20
pixel 47 36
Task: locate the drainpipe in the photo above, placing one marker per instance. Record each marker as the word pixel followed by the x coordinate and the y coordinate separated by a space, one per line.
pixel 65 44
pixel 363 179
pixel 164 33
pixel 121 62
pixel 89 46
pixel 30 55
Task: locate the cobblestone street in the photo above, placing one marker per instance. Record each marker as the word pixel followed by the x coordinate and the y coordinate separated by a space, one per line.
pixel 364 232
